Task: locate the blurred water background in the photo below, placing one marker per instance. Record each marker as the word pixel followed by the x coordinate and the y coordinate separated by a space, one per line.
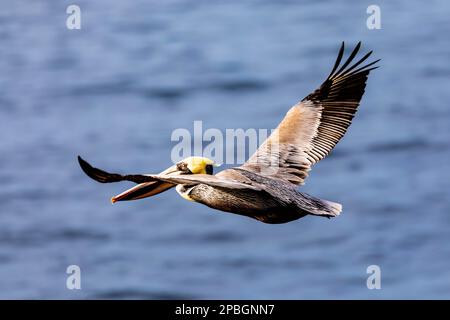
pixel 116 89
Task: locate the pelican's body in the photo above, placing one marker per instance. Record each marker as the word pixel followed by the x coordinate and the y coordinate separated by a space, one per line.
pixel 264 188
pixel 276 201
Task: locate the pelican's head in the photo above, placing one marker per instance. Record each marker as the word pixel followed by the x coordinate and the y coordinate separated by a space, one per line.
pixel 194 165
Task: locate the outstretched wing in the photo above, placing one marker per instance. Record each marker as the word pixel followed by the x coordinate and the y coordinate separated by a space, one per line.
pixel 211 180
pixel 193 179
pixel 312 128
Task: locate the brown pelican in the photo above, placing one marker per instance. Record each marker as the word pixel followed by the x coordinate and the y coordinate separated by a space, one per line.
pixel 264 187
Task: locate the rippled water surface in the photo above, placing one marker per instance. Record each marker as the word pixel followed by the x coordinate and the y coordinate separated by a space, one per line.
pixel 116 89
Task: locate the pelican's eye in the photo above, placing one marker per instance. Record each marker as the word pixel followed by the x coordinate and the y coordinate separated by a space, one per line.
pixel 183 167
pixel 209 169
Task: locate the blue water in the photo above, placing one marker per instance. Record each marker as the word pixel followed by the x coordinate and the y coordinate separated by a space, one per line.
pixel 116 89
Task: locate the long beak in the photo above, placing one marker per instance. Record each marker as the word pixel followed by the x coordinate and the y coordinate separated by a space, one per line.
pixel 147 189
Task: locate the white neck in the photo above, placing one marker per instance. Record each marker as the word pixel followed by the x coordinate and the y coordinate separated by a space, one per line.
pixel 184 191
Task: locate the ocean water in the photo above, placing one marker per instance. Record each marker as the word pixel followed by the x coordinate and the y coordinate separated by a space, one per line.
pixel 115 90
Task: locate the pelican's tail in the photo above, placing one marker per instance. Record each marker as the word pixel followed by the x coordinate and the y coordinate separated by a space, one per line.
pixel 319 207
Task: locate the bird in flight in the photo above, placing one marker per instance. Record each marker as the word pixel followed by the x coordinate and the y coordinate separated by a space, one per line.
pixel 265 187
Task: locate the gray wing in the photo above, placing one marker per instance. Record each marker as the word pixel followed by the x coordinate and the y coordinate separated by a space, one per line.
pixel 207 179
pixel 312 128
pixel 107 177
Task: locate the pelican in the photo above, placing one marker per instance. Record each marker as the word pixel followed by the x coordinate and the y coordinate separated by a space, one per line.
pixel 265 187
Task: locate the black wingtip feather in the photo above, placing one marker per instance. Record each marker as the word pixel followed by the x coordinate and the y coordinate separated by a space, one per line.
pixel 364 58
pixel 86 167
pixel 97 174
pixel 347 83
pixel 365 68
pixel 344 70
pixel 349 59
pixel 338 59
